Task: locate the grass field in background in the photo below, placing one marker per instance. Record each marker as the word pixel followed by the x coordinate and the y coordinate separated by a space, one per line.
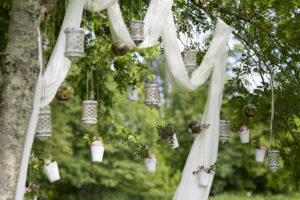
pixel 254 197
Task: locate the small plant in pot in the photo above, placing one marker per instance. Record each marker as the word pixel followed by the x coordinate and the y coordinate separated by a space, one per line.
pixel 142 152
pixel 244 134
pixel 33 192
pixel 96 145
pixel 260 151
pixel 167 133
pixel 195 127
pixel 204 174
pixel 51 169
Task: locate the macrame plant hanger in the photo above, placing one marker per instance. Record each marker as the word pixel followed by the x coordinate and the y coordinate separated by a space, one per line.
pixel 89 107
pixel 273 155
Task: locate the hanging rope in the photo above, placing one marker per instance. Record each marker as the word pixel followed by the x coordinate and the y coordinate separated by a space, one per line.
pixel 272 108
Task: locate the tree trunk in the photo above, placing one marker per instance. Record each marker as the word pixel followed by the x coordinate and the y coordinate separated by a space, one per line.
pixel 20 68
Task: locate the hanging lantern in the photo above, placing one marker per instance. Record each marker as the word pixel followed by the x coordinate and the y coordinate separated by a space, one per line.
pixel 190 60
pixel 137 31
pixel 273 160
pixel 250 110
pixel 151 95
pixel 119 48
pixel 44 124
pixel 74 43
pixel 195 127
pixel 65 92
pixel 89 112
pixel 224 134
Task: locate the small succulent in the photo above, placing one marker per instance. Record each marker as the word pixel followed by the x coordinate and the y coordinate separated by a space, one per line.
pixel 119 48
pixel 65 92
pixel 249 110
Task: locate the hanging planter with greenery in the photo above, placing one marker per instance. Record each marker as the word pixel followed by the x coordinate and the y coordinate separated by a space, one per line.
pixel 244 134
pixel 204 174
pixel 96 145
pixel 33 192
pixel 260 151
pixel 51 169
pixel 167 133
pixel 195 127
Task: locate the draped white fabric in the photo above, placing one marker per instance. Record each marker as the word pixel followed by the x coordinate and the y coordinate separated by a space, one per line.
pixel 158 22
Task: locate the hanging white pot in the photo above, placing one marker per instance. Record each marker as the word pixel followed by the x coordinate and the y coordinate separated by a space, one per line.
pixel 260 155
pixel 224 131
pixel 203 179
pixel 74 43
pixel 132 93
pixel 44 124
pixel 52 172
pixel 151 95
pixel 244 136
pixel 175 142
pixel 97 151
pixel 273 160
pixel 190 60
pixel 137 31
pixel 89 112
pixel 150 163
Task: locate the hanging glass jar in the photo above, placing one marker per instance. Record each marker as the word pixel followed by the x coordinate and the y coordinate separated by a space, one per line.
pixel 151 95
pixel 224 133
pixel 65 92
pixel 137 31
pixel 74 43
pixel 249 110
pixel 190 60
pixel 273 160
pixel 89 112
pixel 195 127
pixel 119 48
pixel 44 124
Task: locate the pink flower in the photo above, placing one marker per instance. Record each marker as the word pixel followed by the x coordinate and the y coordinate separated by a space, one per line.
pixel 97 143
pixel 27 189
pixel 243 128
pixel 150 156
pixel 201 169
pixel 263 147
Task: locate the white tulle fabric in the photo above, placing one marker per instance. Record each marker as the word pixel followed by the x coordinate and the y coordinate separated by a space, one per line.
pixel 159 22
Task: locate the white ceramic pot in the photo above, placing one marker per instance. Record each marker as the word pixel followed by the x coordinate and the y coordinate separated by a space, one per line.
pixel 244 136
pixel 150 164
pixel 175 143
pixel 260 155
pixel 132 94
pixel 97 153
pixel 52 172
pixel 203 179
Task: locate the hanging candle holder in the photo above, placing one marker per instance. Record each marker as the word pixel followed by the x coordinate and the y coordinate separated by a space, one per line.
pixel 89 112
pixel 44 124
pixel 119 48
pixel 74 43
pixel 65 92
pixel 151 95
pixel 249 110
pixel 137 31
pixel 195 127
pixel 190 60
pixel 224 134
pixel 273 160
